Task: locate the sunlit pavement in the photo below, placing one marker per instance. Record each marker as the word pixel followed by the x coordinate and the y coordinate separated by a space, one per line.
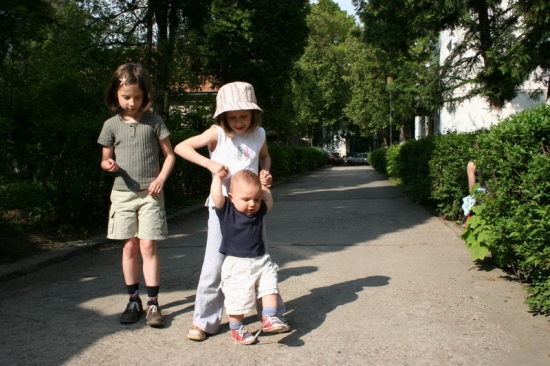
pixel 368 277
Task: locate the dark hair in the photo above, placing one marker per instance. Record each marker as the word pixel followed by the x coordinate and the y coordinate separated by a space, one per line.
pixel 255 122
pixel 129 74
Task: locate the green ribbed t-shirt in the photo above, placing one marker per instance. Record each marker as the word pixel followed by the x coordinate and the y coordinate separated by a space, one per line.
pixel 137 149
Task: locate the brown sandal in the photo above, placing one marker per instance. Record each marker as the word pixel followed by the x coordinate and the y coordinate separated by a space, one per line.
pixel 196 334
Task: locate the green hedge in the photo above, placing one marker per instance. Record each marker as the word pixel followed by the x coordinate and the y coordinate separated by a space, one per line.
pixel 513 221
pixel 287 161
pixel 447 172
pixel 431 171
pixel 190 183
pixel 377 159
pixel 59 187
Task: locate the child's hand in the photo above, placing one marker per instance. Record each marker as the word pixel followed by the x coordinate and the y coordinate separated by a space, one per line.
pixel 110 165
pixel 265 178
pixel 219 170
pixel 155 187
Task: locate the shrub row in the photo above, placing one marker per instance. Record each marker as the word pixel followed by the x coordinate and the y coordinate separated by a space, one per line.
pixel 190 183
pixel 58 183
pixel 513 221
pixel 432 171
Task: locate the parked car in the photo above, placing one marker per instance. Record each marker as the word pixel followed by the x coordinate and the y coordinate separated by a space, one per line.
pixel 333 158
pixel 360 158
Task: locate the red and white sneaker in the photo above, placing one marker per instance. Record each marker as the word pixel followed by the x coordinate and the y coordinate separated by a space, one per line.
pixel 272 324
pixel 242 336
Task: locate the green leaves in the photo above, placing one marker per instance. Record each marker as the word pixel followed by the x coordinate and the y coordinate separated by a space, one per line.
pixel 320 83
pixel 517 169
pixel 478 234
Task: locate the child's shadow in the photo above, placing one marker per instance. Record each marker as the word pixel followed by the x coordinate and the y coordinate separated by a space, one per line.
pixel 286 273
pixel 308 312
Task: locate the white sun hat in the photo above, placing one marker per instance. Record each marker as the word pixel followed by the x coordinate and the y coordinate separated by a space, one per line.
pixel 234 97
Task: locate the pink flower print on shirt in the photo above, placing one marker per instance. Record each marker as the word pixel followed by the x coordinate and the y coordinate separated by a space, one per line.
pixel 244 153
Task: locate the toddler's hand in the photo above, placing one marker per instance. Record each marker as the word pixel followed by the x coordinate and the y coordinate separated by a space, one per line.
pixel 265 178
pixel 220 170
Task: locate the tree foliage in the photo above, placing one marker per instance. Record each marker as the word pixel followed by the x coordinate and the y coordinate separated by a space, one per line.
pixel 494 55
pixel 415 90
pixel 256 42
pixel 320 87
pixel 56 58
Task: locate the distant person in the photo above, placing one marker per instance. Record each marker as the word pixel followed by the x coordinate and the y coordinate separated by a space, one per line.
pixel 235 142
pixel 247 271
pixel 474 176
pixel 132 142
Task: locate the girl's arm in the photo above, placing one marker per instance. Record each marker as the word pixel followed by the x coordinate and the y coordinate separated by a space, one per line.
pixel 187 149
pixel 107 162
pixel 265 158
pixel 169 160
pixel 216 192
pixel 265 164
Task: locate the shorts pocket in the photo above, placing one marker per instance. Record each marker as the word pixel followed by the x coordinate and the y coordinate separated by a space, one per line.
pixel 111 227
pixel 163 223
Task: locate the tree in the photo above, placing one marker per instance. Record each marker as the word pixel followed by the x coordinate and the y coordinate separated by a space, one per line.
pixel 534 41
pixel 414 92
pixel 258 42
pixel 319 84
pixel 157 30
pixel 492 58
pixel 368 107
pixel 22 23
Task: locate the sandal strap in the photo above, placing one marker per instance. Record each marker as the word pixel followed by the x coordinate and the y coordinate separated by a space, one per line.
pixel 196 330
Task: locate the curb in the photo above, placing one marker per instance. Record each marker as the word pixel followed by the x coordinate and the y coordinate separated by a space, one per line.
pixel 44 259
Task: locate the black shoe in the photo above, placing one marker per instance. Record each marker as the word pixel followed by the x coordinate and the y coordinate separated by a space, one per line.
pixel 134 310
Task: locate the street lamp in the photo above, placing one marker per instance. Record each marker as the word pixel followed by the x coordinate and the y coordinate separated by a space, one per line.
pixel 389 81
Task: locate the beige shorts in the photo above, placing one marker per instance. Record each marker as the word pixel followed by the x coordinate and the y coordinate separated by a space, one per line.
pixel 245 279
pixel 136 214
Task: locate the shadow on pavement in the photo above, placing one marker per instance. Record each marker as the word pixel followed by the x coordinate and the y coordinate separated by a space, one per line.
pixel 309 312
pixel 57 313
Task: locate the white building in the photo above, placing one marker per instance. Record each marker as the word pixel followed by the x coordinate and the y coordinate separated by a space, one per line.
pixel 475 113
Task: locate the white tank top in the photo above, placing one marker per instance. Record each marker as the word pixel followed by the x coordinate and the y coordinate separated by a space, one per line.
pixel 237 153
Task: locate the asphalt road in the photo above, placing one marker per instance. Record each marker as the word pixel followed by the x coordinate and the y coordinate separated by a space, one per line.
pixel 368 278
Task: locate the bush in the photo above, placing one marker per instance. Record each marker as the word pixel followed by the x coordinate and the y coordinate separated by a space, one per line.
pixel 393 163
pixel 57 182
pixel 377 159
pixel 292 160
pixel 414 169
pixel 515 154
pixel 188 183
pixel 447 172
pixel 431 171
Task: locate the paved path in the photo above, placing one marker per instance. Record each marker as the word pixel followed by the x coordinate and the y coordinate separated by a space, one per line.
pixel 368 277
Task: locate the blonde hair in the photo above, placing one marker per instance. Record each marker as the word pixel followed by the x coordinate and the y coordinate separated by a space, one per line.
pixel 255 122
pixel 247 177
